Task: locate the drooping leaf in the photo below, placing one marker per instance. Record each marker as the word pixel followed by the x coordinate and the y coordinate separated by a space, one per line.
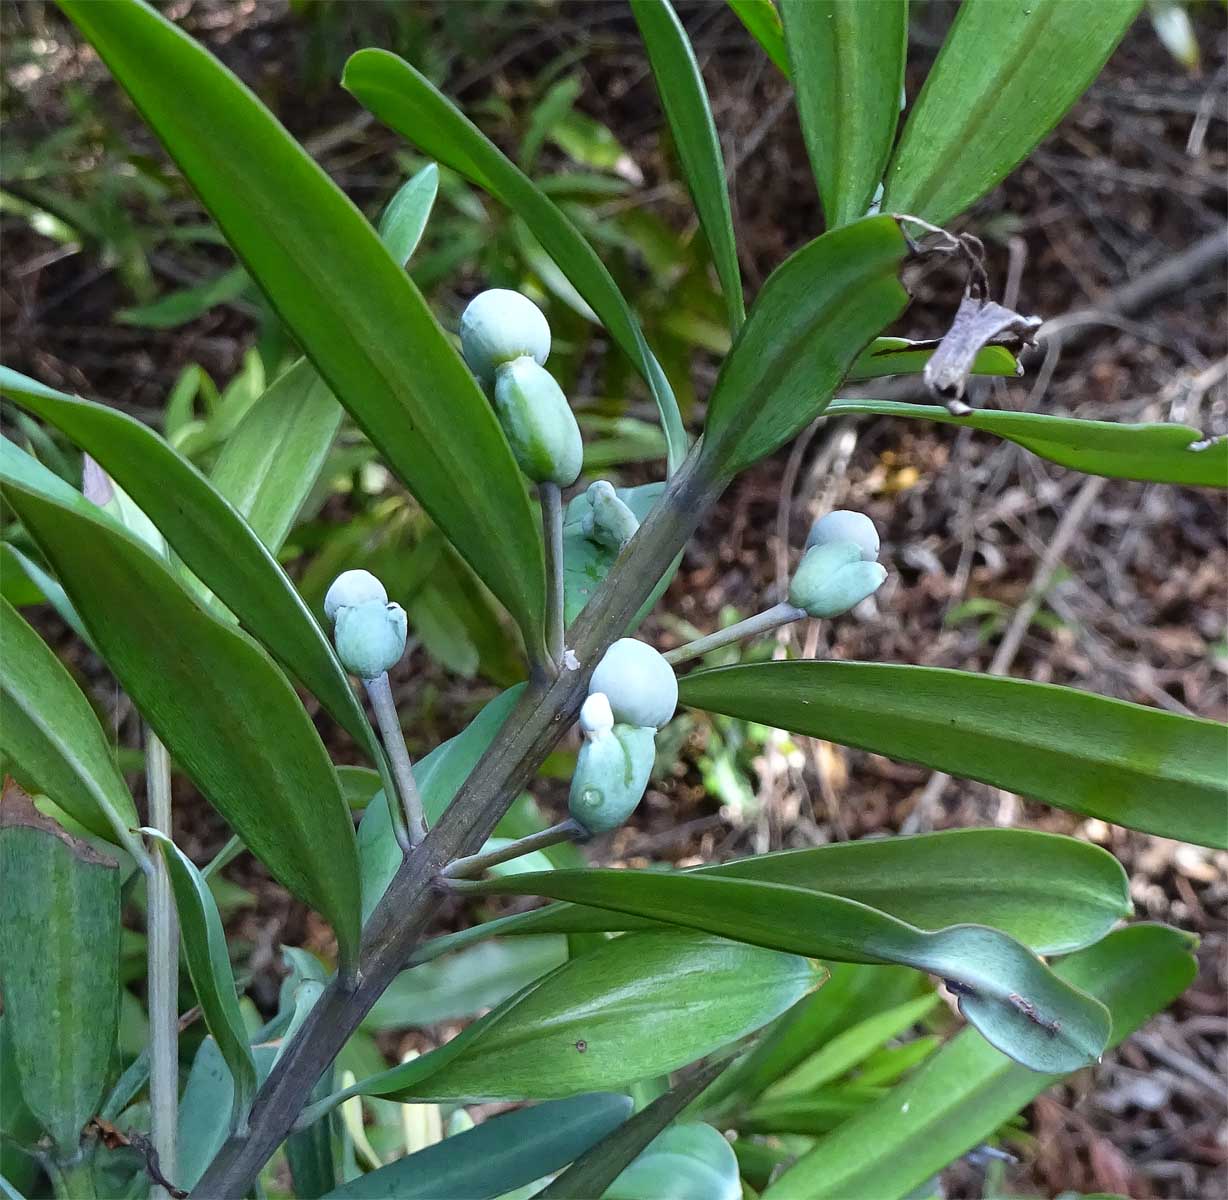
pixel 228 716
pixel 213 981
pixel 967 1090
pixel 686 1162
pixel 499 1155
pixel 51 737
pixel 813 317
pixel 404 220
pixel 1134 766
pixel 1157 452
pixel 1005 76
pixel 685 101
pixel 406 101
pixel 763 22
pixel 350 305
pixel 848 72
pixel 59 966
pixel 900 356
pixel 1003 988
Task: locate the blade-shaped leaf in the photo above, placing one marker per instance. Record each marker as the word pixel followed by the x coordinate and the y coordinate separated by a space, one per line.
pixel 1158 452
pixel 763 22
pixel 406 101
pixel 1006 74
pixel 213 696
pixel 815 314
pixel 1134 766
pixel 900 356
pixel 501 1154
pixel 213 981
pixel 1004 989
pixel 405 218
pixel 687 1162
pixel 967 1090
pixel 351 306
pixel 848 71
pixel 51 737
pixel 690 121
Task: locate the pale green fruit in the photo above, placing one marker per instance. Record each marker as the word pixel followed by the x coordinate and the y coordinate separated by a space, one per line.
pixel 639 683
pixel 610 522
pixel 539 423
pixel 845 525
pixel 370 637
pixel 498 326
pixel 611 777
pixel 834 578
pixel 352 588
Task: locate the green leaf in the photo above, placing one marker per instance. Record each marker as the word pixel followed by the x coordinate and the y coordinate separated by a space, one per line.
pixel 405 218
pixel 1134 766
pixel 206 532
pixel 1004 989
pixel 1159 452
pixel 51 738
pixel 763 22
pixel 186 304
pixel 967 1090
pixel 213 696
pixel 900 356
pixel 501 1154
pixel 848 71
pixel 1006 74
pixel 686 1162
pixel 59 966
pixel 213 981
pixel 349 304
pixel 406 101
pixel 812 318
pixel 690 121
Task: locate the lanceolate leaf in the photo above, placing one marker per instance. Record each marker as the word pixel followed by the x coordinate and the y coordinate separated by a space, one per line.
pixel 690 120
pixel 813 317
pixel 899 356
pixel 687 1162
pixel 1004 989
pixel 848 70
pixel 1154 453
pixel 351 306
pixel 406 101
pixel 204 944
pixel 967 1090
pixel 51 737
pixel 1135 766
pixel 407 213
pixel 763 22
pixel 1006 74
pixel 224 710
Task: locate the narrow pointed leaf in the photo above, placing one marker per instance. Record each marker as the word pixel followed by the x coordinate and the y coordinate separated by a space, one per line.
pixel 763 23
pixel 51 737
pixel 213 981
pixel 350 305
pixel 1134 766
pixel 501 1154
pixel 687 1162
pixel 815 314
pixel 685 101
pixel 1006 74
pixel 1005 990
pixel 406 101
pixel 214 697
pixel 967 1090
pixel 899 356
pixel 1158 452
pixel 848 70
pixel 404 220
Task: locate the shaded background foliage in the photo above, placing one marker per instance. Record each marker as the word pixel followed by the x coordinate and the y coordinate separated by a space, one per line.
pixel 997 558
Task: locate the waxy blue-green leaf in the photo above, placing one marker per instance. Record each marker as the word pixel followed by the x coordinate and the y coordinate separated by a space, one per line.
pixel 815 314
pixel 848 73
pixel 51 737
pixel 685 101
pixel 351 306
pixel 900 356
pixel 406 101
pixel 1158 452
pixel 501 1154
pixel 213 981
pixel 967 1090
pixel 1134 766
pixel 764 25
pixel 226 713
pixel 686 1162
pixel 59 966
pixel 1006 74
pixel 405 218
pixel 1004 989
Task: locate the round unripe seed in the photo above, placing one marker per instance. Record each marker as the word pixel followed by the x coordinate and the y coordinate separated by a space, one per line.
pixel 845 525
pixel 834 578
pixel 370 637
pixel 639 683
pixel 498 326
pixel 611 777
pixel 595 716
pixel 538 422
pixel 352 588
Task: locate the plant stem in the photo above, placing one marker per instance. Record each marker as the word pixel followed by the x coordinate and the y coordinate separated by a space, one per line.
pixel 414 822
pixel 552 532
pixel 75 1180
pixel 474 864
pixel 761 623
pixel 163 950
